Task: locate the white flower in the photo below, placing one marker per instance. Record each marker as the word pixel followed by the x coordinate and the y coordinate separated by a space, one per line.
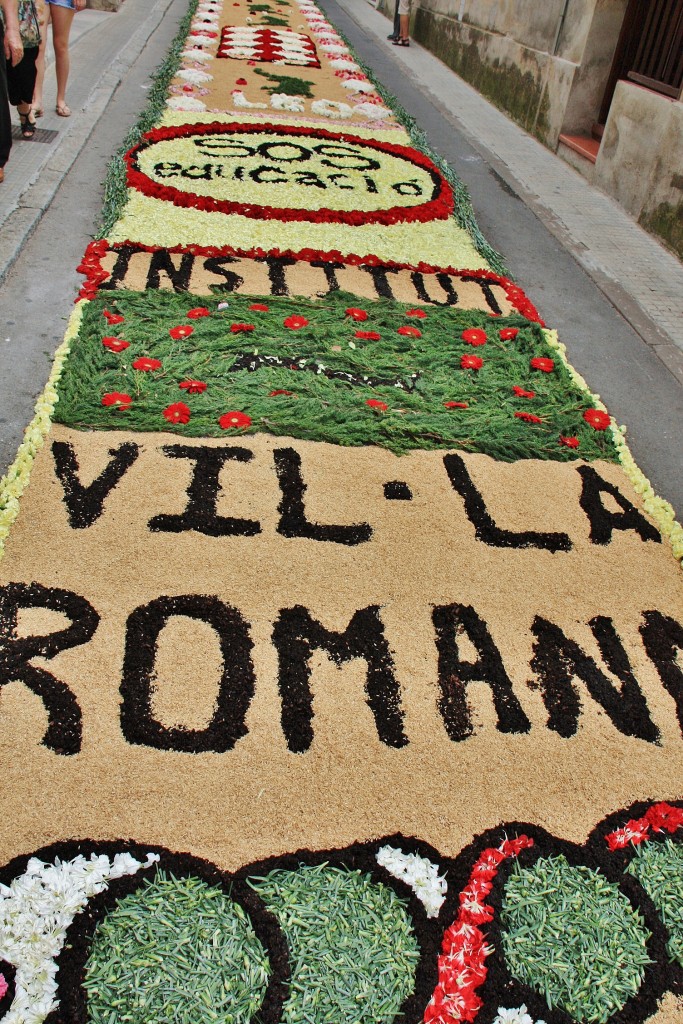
pixel 240 100
pixel 373 111
pixel 339 64
pixel 419 873
pixel 518 1016
pixel 355 86
pixel 241 52
pixel 194 76
pixel 331 108
pixel 185 103
pixel 196 54
pixel 281 101
pixel 36 910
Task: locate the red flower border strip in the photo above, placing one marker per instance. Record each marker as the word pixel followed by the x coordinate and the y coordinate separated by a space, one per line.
pixel 439 207
pixel 91 266
pixel 661 817
pixel 462 968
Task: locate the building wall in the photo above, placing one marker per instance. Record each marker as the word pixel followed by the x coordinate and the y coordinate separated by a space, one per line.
pixel 640 161
pixel 550 75
pixel 506 50
pixel 590 80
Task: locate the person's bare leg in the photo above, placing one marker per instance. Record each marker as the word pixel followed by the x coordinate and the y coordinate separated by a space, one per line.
pixel 61 27
pixel 40 64
pixel 405 25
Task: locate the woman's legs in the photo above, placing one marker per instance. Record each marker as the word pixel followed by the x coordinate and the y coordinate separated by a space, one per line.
pixel 40 63
pixel 61 27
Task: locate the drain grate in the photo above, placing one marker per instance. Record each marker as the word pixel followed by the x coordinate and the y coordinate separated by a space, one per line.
pixel 41 135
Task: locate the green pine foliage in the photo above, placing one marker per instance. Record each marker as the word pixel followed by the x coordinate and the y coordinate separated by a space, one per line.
pixel 288 84
pixel 353 953
pixel 659 869
pixel 176 950
pixel 571 935
pixel 319 408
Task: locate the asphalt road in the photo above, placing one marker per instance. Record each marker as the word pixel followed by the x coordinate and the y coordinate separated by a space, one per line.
pixel 37 294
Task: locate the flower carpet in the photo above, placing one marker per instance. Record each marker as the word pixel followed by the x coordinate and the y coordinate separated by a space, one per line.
pixel 341 639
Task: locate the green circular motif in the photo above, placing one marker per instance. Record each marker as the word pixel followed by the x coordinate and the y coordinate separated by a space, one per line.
pixel 176 951
pixel 659 869
pixel 353 953
pixel 572 936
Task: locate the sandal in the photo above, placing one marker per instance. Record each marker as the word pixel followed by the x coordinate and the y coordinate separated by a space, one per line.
pixel 63 110
pixel 28 127
pixel 37 111
pixel 401 42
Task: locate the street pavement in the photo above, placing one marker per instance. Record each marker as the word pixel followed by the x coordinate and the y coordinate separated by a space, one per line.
pixel 614 294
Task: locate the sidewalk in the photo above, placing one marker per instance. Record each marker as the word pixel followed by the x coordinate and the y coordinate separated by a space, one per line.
pixel 104 46
pixel 642 279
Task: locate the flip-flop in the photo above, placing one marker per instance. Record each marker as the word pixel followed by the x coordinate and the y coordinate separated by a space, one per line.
pixel 37 111
pixel 63 110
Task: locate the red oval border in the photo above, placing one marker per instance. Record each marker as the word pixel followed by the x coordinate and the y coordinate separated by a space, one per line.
pixel 439 207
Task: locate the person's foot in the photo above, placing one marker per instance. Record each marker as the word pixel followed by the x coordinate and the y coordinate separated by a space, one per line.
pixel 38 110
pixel 28 123
pixel 63 110
pixel 392 36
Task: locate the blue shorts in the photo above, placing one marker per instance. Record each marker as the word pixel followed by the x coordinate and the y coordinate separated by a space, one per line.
pixel 69 4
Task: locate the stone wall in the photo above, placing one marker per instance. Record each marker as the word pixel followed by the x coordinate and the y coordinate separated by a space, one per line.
pixel 640 161
pixel 528 84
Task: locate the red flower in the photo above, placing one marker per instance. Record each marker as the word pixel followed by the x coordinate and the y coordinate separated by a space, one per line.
pixel 541 363
pixel 455 405
pixel 144 363
pixel 112 318
pixel 411 332
pixel 569 442
pixel 471 363
pixel 241 328
pixel 635 831
pixel 234 420
pixel 198 312
pixel 375 403
pixel 117 399
pixel 508 333
pixel 368 335
pixel 474 336
pixel 416 312
pixel 260 307
pixel 181 331
pixel 115 344
pixel 528 417
pixel 521 393
pixel 177 413
pixel 356 314
pixel 513 847
pixel 295 321
pixel 664 817
pixel 241 81
pixel 597 419
pixel 193 387
pixel 279 391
